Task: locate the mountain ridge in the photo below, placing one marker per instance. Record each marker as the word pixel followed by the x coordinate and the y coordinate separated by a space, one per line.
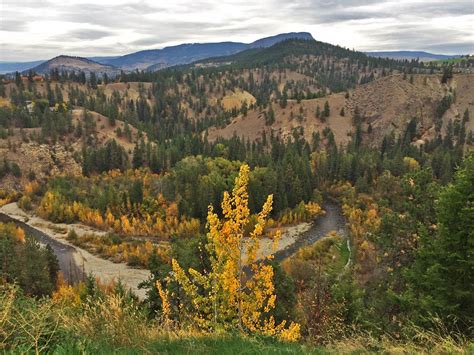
pixel 8 67
pixel 190 52
pixel 154 59
pixel 421 55
pixel 186 53
pixel 74 64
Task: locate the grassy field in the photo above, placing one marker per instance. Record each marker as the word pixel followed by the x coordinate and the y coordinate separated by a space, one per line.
pixel 235 344
pixel 449 61
pixel 202 345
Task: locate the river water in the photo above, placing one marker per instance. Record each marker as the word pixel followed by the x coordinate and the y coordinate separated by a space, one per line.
pixel 65 253
pixel 333 220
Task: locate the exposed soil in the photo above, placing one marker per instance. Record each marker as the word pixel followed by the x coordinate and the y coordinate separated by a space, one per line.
pixel 387 104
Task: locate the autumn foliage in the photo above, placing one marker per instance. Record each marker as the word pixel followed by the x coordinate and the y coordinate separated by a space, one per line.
pixel 237 291
pixel 133 208
pixel 363 225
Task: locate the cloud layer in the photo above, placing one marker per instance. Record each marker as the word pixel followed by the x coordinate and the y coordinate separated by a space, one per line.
pixel 40 29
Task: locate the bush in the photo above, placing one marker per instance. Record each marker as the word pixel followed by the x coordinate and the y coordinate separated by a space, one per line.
pixel 16 171
pixel 25 203
pixel 133 261
pixel 72 235
pixel 31 175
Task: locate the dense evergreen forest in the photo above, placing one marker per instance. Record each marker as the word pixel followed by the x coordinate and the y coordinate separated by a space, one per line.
pixel 402 277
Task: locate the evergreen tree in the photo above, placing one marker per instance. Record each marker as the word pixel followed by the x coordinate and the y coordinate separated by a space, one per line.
pixel 93 80
pixel 284 99
pixel 326 111
pixel 443 275
pixel 269 117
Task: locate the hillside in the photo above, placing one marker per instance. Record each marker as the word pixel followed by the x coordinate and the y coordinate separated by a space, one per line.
pixel 155 59
pixel 304 73
pixel 65 63
pixel 272 40
pixel 274 91
pixel 39 154
pixel 387 104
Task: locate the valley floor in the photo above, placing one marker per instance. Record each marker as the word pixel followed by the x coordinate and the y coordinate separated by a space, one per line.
pixel 105 270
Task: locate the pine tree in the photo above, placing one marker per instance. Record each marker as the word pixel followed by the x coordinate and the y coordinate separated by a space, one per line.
pixel 53 264
pixel 442 278
pixel 356 118
pixel 465 117
pixel 93 80
pixel 269 117
pixel 327 110
pixel 284 99
pixel 318 112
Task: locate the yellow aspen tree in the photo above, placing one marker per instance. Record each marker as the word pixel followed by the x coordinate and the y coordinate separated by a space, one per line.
pixel 126 228
pixel 110 219
pixel 227 295
pixel 164 295
pixel 117 225
pixel 20 235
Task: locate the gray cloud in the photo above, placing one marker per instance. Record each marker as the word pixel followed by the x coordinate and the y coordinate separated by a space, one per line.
pixel 328 11
pixel 81 35
pixel 119 28
pixel 12 25
pixel 416 36
pixel 456 47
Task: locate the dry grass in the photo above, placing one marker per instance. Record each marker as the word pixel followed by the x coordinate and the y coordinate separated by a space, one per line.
pixel 4 102
pixel 115 322
pixel 440 340
pixel 237 99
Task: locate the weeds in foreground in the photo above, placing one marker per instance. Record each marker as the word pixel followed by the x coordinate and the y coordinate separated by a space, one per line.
pixel 114 322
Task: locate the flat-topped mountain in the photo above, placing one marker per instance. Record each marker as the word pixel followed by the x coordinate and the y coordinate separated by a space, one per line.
pixel 270 41
pixel 155 59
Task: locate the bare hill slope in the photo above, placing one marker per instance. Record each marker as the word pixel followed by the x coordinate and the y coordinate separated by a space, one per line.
pixel 386 104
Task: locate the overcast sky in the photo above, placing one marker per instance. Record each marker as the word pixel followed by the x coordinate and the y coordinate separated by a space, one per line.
pixel 41 29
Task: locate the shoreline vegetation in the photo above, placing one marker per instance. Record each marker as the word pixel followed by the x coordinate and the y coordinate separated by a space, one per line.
pixel 96 317
pixel 107 270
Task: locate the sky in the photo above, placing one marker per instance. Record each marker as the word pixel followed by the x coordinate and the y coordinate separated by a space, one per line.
pixel 42 29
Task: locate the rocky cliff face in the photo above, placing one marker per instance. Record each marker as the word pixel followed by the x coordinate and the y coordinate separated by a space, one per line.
pixel 41 159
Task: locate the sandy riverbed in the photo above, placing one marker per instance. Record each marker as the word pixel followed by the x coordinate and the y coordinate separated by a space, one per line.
pixel 104 269
pixel 289 235
pixel 107 271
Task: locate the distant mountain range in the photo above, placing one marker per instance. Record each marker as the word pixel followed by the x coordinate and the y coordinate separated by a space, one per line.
pixel 9 67
pixel 187 53
pixel 420 55
pixel 155 59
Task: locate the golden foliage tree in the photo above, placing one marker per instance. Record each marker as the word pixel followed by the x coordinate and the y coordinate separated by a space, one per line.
pixel 363 225
pixel 227 295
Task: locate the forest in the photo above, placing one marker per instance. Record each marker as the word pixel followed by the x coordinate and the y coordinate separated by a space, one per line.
pixel 165 197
